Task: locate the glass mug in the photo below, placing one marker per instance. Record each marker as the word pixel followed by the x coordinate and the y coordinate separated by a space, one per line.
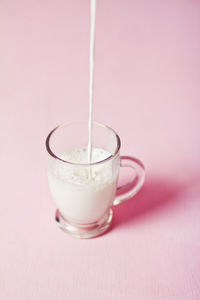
pixel 84 193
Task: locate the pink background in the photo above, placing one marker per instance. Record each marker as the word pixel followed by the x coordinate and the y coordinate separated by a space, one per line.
pixel 147 87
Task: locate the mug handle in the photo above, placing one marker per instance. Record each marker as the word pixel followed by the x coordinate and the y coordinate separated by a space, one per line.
pixel 135 184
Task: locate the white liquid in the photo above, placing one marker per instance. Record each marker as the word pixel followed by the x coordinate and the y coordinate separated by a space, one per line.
pixel 91 79
pixel 82 198
pixel 84 193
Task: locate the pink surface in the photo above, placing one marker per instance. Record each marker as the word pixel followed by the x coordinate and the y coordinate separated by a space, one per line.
pixel 147 83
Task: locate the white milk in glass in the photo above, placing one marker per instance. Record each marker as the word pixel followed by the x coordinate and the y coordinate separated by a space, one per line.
pixel 83 194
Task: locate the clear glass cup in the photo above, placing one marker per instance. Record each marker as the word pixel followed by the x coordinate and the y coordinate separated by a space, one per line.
pixel 84 193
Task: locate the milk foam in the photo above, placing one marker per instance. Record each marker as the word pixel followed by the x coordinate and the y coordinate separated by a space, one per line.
pixel 83 174
pixel 79 156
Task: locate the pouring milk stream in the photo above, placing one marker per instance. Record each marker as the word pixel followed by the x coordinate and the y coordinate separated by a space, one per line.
pixel 91 79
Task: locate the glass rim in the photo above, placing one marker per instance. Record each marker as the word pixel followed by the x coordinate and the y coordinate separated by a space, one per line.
pixel 51 153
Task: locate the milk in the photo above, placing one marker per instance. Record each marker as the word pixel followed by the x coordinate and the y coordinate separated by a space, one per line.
pixel 91 79
pixel 84 193
pixel 80 197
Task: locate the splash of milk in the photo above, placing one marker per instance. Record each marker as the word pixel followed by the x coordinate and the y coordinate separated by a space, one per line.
pixel 91 80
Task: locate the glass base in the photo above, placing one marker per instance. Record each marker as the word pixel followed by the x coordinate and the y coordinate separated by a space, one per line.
pixel 85 231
